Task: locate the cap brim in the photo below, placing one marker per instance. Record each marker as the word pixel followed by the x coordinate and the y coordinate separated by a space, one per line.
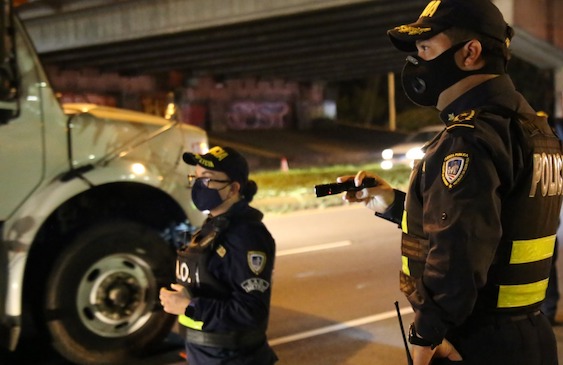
pixel 404 37
pixel 189 158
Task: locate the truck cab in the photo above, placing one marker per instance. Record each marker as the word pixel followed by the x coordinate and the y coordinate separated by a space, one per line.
pixel 95 202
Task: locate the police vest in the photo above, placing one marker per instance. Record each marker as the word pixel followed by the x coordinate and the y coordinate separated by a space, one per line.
pixel 192 272
pixel 517 279
pixel 192 262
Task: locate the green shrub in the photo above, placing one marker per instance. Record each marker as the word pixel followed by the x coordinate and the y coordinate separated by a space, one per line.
pixel 286 191
pixel 412 119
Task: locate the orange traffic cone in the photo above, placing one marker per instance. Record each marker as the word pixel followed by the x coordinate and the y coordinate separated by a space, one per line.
pixel 283 165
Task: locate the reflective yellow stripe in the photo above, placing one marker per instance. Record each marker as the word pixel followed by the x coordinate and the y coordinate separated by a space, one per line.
pixel 532 250
pixel 405 267
pixel 521 295
pixel 404 226
pixel 190 323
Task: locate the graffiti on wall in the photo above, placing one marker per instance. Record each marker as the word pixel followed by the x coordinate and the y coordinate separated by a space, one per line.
pixel 91 98
pixel 194 114
pixel 258 114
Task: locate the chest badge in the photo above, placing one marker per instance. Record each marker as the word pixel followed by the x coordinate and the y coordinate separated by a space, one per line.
pixel 454 168
pixel 221 251
pixel 256 261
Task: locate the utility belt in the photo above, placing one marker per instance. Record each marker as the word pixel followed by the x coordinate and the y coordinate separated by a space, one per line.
pixel 230 340
pixel 498 319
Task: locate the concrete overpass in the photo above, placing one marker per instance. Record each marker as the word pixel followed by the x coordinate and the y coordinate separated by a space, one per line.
pixel 298 40
pixel 294 39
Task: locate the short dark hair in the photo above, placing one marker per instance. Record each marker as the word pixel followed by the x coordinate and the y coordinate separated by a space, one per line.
pixel 492 48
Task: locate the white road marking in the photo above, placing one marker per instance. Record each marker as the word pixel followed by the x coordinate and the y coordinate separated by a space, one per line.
pixel 338 327
pixel 326 246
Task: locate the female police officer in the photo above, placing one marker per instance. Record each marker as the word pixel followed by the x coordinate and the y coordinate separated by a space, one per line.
pixel 481 212
pixel 224 274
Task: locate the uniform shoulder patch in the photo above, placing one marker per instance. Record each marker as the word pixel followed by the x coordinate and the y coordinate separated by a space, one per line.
pixel 464 119
pixel 454 168
pixel 253 284
pixel 256 261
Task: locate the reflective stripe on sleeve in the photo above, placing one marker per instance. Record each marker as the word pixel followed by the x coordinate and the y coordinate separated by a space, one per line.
pixel 532 250
pixel 510 296
pixel 404 226
pixel 190 323
pixel 405 267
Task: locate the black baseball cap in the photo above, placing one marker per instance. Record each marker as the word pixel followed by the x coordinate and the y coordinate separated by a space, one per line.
pixel 224 159
pixel 480 16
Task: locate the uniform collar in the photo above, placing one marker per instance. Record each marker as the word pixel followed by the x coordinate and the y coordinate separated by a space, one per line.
pixel 497 91
pixel 239 210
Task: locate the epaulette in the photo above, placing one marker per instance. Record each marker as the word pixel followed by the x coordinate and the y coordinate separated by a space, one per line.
pixel 462 120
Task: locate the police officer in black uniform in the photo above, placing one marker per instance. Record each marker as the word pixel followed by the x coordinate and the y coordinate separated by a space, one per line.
pixel 481 213
pixel 224 275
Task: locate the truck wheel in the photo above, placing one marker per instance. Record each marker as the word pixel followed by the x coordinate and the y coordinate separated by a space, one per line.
pixel 102 302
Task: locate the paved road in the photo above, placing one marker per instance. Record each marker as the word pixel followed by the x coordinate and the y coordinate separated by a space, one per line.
pixel 334 287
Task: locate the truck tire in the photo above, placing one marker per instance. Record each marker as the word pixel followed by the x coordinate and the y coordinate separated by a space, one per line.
pixel 102 303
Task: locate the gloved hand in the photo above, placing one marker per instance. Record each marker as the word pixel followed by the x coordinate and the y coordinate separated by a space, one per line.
pixel 377 198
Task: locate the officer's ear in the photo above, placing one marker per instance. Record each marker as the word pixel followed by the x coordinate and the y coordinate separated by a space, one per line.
pixel 235 187
pixel 472 56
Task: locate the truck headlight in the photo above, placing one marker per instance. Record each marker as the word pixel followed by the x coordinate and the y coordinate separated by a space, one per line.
pixel 138 169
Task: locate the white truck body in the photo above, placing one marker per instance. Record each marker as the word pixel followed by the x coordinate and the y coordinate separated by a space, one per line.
pixel 92 202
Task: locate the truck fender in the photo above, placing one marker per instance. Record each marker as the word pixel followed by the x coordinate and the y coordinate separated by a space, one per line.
pixel 18 234
pixel 22 227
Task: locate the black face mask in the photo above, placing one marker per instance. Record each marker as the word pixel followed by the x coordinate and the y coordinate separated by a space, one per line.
pixel 423 81
pixel 205 198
